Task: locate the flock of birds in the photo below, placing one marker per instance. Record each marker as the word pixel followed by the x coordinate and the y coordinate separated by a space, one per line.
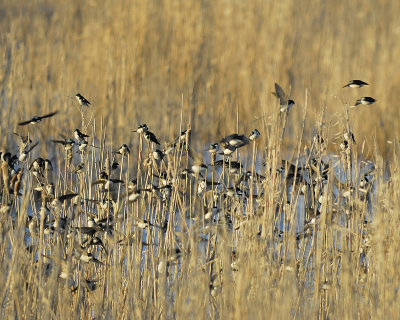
pixel 227 193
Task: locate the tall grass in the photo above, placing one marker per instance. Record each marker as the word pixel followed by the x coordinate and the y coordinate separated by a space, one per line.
pixel 209 67
pixel 140 59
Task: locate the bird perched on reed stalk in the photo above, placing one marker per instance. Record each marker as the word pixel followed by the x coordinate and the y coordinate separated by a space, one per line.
pixel 82 100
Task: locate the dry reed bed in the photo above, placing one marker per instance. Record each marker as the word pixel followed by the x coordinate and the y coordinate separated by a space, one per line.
pixel 211 65
pixel 235 249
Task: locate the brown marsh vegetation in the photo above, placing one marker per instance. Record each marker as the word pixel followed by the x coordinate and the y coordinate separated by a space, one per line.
pixel 264 239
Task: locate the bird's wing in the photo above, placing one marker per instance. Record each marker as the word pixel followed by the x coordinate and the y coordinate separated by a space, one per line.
pixel 31 148
pixel 49 115
pixel 58 141
pixel 68 196
pixel 280 94
pixel 24 122
pixel 100 181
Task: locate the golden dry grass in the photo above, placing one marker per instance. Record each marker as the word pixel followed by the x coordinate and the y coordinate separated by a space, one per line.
pixel 213 65
pixel 142 58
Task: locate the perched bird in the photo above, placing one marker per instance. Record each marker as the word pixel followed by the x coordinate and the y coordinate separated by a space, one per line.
pixel 344 145
pixel 134 194
pixel 349 136
pixel 169 148
pixel 123 150
pixel 82 100
pixel 142 128
pixel 203 184
pixel 114 166
pixel 365 101
pixel 107 183
pixel 158 155
pixel 37 167
pixel 79 136
pixel 37 119
pixel 132 185
pixel 182 136
pixel 82 145
pixel 356 84
pixel 235 140
pixel 37 164
pixel 284 100
pixel 151 137
pixel 9 160
pixel 213 148
pixel 228 149
pixel 255 134
pixel 199 168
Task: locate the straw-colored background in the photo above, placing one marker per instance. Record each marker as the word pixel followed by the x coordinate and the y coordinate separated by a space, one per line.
pixel 213 62
pixel 136 61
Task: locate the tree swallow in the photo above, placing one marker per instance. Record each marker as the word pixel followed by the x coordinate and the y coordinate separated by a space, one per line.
pixel 235 140
pixel 356 84
pixel 37 119
pixel 79 136
pixel 142 128
pixel 365 101
pixel 284 100
pixel 123 150
pixel 213 148
pixel 151 137
pixel 82 100
pixel 68 144
pixel 255 134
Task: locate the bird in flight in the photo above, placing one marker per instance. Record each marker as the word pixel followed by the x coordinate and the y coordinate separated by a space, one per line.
pixel 235 140
pixel 365 101
pixel 284 100
pixel 37 119
pixel 356 84
pixel 285 103
pixel 68 143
